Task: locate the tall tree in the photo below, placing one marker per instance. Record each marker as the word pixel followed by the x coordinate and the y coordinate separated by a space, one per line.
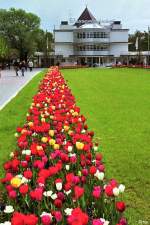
pixel 44 41
pixel 4 50
pixel 20 29
pixel 142 41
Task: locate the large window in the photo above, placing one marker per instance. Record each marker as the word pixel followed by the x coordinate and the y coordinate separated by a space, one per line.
pixel 96 47
pixel 83 35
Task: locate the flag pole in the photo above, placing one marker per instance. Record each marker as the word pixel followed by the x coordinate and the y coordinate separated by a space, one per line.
pixel 148 44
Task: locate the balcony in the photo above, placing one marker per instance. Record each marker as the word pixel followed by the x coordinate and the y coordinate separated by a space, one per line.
pixel 91 53
pixel 91 40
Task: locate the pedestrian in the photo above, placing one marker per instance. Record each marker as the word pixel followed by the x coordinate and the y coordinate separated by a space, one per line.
pixel 30 64
pixel 26 66
pixel 22 67
pixel 16 67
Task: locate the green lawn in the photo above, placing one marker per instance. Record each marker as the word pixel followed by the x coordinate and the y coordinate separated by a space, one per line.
pixel 116 103
pixel 13 115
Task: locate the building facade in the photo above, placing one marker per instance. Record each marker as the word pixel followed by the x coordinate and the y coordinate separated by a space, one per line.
pixel 90 42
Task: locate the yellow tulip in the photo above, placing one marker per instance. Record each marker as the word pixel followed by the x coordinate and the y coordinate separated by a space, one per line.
pixel 39 148
pixel 56 146
pixel 79 145
pixel 66 128
pixel 52 142
pixel 51 133
pixel 30 124
pixel 15 182
pixel 75 114
pixel 70 132
pixel 43 120
pixel 38 105
pixel 44 139
pixel 23 131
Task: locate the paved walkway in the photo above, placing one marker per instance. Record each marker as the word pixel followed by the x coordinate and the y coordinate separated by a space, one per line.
pixel 10 84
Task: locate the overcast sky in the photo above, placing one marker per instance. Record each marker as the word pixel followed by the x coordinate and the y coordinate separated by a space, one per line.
pixel 134 14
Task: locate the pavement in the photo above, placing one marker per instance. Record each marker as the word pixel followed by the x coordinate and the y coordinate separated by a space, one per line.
pixel 10 84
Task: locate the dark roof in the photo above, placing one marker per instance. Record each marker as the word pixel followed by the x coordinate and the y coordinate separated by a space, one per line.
pixel 86 16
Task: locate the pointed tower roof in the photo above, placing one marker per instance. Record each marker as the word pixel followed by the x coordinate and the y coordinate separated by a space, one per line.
pixel 86 17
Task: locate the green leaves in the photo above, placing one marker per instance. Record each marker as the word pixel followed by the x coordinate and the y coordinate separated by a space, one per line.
pixel 3 47
pixel 21 30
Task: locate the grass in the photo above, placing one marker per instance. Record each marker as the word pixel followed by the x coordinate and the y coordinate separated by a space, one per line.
pixel 116 103
pixel 13 115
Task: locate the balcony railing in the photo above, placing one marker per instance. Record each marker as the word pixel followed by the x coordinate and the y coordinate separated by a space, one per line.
pixel 92 53
pixel 91 40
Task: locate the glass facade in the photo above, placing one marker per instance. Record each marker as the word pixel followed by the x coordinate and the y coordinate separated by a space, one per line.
pixel 93 47
pixel 83 35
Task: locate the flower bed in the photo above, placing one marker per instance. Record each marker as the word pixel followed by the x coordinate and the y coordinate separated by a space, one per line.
pixel 56 174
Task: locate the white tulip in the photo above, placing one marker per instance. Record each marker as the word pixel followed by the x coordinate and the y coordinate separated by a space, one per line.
pixel 54 196
pixel 116 191
pixel 121 188
pixel 8 209
pixel 67 192
pixel 70 148
pixel 59 186
pixel 67 167
pixel 11 155
pixel 24 180
pixel 106 223
pixel 95 148
pixel 83 131
pixel 68 211
pixel 46 214
pixel 72 155
pixel 99 175
pixel 6 223
pixel 26 152
pixel 48 193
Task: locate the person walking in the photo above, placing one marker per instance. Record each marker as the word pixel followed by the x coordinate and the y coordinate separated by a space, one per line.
pixel 22 67
pixel 16 67
pixel 30 65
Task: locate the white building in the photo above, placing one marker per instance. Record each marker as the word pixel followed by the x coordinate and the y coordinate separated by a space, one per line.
pixel 88 41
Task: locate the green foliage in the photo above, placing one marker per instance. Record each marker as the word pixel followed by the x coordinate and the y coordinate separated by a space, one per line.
pixel 22 31
pixel 3 48
pixel 44 41
pixel 143 41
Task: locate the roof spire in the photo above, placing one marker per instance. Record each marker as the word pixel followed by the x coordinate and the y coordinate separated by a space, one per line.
pixel 86 17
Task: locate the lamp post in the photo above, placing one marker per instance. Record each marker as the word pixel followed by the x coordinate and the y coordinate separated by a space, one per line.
pixel 47 47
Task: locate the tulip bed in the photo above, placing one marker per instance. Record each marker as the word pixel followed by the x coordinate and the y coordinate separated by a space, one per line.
pixel 56 174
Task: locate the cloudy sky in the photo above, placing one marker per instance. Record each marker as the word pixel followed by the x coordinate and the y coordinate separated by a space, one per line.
pixel 134 14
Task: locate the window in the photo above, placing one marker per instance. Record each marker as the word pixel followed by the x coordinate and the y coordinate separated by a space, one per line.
pixel 83 35
pixel 92 35
pixel 95 35
pixel 88 35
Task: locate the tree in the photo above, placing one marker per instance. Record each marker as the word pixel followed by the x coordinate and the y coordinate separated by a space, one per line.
pixel 44 41
pixel 142 39
pixel 20 29
pixel 3 48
